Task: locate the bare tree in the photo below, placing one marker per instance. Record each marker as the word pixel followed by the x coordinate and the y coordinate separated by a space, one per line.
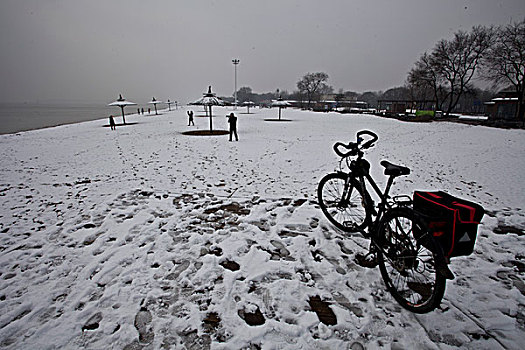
pixel 244 94
pixel 450 67
pixel 312 85
pixel 504 63
pixel 370 97
pixel 424 80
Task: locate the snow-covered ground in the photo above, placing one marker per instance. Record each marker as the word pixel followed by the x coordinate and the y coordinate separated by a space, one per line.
pixel 145 238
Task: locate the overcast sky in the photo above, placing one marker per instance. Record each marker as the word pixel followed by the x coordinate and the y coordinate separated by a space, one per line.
pixel 93 50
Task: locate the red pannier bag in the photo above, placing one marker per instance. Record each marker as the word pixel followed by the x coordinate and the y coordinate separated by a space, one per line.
pixel 452 221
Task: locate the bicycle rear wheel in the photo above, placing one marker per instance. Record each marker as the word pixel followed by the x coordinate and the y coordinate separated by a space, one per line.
pixel 407 263
pixel 342 203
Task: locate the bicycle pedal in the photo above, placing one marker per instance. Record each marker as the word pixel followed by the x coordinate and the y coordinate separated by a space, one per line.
pixel 350 226
pixel 369 260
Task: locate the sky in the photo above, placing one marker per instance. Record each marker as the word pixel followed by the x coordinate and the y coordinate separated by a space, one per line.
pixel 92 50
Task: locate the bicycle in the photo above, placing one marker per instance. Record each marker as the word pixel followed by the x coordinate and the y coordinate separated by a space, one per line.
pixel 412 264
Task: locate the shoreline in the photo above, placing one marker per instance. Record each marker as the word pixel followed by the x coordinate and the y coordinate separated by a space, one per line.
pixel 22 117
pixel 47 127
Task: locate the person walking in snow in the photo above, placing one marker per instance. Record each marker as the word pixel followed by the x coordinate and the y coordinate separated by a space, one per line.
pixel 190 118
pixel 232 119
pixel 112 122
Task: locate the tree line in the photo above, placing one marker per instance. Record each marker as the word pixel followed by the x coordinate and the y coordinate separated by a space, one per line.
pixel 446 74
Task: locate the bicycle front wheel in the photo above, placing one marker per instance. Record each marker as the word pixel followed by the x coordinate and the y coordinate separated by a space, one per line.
pixel 407 262
pixel 342 203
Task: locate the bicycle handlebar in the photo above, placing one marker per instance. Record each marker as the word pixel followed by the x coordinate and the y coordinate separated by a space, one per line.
pixel 355 147
pixel 352 147
pixel 369 143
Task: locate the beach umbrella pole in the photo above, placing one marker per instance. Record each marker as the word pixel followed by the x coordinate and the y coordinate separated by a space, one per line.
pixel 211 125
pixel 123 117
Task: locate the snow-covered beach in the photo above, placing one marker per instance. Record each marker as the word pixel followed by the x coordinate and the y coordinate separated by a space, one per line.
pixel 145 238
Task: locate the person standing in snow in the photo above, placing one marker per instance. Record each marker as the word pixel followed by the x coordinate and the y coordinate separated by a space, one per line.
pixel 232 119
pixel 112 122
pixel 190 118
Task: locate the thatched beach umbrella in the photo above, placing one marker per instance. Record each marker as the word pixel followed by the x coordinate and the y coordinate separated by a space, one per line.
pixel 248 104
pixel 208 100
pixel 199 102
pixel 154 102
pixel 281 104
pixel 121 102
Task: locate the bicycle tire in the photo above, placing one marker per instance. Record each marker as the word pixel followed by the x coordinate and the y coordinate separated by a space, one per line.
pixel 409 268
pixel 351 216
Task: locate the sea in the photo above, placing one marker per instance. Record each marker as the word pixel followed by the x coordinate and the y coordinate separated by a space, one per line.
pixel 16 117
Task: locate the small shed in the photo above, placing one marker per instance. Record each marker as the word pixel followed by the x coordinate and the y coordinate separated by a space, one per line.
pixel 396 107
pixel 502 107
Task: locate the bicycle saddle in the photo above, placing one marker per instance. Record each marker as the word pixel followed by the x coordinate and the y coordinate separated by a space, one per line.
pixel 394 170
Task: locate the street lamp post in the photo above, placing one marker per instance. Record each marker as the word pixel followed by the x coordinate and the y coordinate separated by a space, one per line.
pixel 235 63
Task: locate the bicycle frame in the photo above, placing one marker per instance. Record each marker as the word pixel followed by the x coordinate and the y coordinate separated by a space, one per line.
pixel 384 196
pixel 360 180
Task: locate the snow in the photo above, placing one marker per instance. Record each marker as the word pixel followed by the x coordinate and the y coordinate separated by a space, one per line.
pixel 122 103
pixel 145 238
pixel 280 103
pixel 473 117
pixel 208 101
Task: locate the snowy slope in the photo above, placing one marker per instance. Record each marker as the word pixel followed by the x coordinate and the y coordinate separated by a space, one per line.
pixel 147 238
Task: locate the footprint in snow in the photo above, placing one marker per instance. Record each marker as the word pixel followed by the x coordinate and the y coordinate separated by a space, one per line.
pixel 323 310
pixel 93 322
pixel 178 270
pixel 252 315
pixel 230 265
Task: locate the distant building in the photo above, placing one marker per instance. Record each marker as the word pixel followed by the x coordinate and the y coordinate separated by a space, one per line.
pixel 502 107
pixel 402 107
pixel 346 104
